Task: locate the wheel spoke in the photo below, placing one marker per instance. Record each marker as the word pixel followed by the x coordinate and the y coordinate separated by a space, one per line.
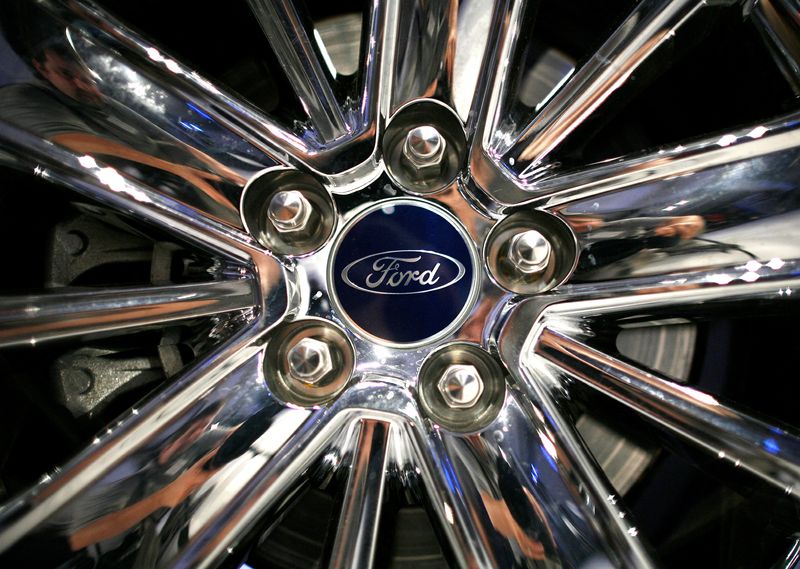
pixel 96 472
pixel 202 466
pixel 650 24
pixel 732 214
pixel 244 122
pixel 699 295
pixel 688 158
pixel 779 24
pixel 592 310
pixel 426 58
pixel 33 319
pixel 508 19
pixel 515 168
pixel 523 492
pixel 130 105
pixel 115 188
pixel 283 26
pixel 347 157
pixel 356 536
pixel 560 333
pixel 752 445
pixel 382 39
pixel 792 559
pixel 269 477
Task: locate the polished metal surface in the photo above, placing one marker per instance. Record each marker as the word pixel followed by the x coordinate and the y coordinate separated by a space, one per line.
pixel 512 166
pixel 356 538
pixel 699 417
pixel 310 360
pixel 289 211
pixel 561 334
pixel 66 313
pixel 299 394
pixel 530 251
pixel 283 26
pixel 461 386
pixel 777 21
pixel 691 222
pixel 792 560
pixel 424 146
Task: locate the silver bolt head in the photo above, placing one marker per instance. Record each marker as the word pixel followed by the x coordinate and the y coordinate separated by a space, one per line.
pixel 530 251
pixel 424 148
pixel 310 360
pixel 289 211
pixel 461 386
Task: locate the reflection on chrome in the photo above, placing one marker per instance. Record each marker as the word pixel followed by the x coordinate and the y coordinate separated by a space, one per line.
pixel 692 222
pixel 558 347
pixel 513 165
pixel 240 452
pixel 127 103
pixel 679 234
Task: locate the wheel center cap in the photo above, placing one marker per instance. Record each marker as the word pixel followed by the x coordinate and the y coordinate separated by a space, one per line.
pixel 403 273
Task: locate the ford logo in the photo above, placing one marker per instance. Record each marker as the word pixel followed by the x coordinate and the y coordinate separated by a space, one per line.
pixel 406 271
pixel 403 272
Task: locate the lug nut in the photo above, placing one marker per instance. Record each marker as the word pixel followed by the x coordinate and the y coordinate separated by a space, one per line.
pixel 461 386
pixel 310 360
pixel 424 148
pixel 529 251
pixel 289 211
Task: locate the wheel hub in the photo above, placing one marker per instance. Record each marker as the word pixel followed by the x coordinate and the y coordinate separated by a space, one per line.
pixel 413 284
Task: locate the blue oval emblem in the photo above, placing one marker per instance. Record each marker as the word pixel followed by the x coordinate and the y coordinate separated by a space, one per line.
pixel 403 272
pixel 407 271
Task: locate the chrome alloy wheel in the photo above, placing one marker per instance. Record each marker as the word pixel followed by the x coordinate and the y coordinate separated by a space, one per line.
pixel 420 280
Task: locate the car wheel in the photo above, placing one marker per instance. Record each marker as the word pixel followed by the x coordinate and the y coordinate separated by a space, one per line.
pixel 399 283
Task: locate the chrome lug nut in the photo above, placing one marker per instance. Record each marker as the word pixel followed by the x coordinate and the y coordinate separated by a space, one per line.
pixel 289 211
pixel 424 148
pixel 530 251
pixel 310 360
pixel 461 386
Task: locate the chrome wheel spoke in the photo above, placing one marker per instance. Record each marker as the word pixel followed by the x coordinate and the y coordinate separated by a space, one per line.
pixel 214 461
pixel 238 131
pixel 750 444
pixel 516 167
pixel 524 491
pixel 638 37
pixel 426 56
pixel 508 18
pixel 169 418
pixel 343 146
pixel 780 27
pixel 701 295
pixel 278 463
pixel 283 26
pixel 134 108
pixel 539 335
pixel 505 162
pixel 377 64
pixel 720 153
pixel 702 220
pixel 112 187
pixel 33 319
pixel 356 537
